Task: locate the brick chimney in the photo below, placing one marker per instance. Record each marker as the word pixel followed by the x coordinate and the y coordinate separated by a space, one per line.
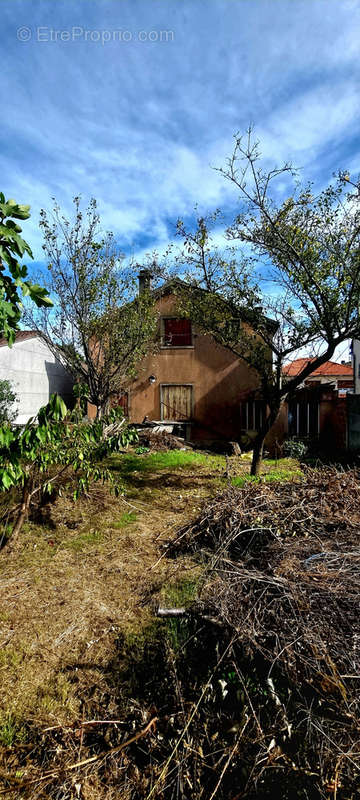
pixel 144 280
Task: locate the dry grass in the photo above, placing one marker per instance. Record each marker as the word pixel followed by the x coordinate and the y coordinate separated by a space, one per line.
pixel 83 576
pixel 80 573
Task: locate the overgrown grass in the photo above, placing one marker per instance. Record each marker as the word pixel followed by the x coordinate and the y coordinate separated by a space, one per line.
pixel 161 639
pixel 270 477
pixel 167 460
pixel 285 469
pixel 181 593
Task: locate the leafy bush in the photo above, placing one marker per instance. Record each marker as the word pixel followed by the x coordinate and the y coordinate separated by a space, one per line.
pixel 7 400
pixel 295 448
pixel 38 456
pixel 12 274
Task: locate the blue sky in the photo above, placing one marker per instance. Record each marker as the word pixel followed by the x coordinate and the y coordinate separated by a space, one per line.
pixel 139 124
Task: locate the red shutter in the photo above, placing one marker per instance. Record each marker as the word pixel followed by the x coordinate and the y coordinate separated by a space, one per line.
pixel 177 332
pixel 121 400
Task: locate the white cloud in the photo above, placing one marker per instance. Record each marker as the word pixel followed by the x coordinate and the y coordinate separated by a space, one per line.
pixel 140 126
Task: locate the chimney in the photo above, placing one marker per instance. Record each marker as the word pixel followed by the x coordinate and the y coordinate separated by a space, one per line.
pixel 144 280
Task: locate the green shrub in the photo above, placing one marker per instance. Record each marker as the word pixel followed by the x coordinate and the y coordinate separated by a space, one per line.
pixel 7 399
pixel 295 448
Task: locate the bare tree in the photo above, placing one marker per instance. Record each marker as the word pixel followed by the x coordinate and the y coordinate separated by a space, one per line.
pixel 295 285
pixel 97 326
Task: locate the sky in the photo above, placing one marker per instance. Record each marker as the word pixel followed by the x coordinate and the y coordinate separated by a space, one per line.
pixel 135 102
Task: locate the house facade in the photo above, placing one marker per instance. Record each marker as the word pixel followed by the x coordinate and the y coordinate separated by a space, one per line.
pixel 190 383
pixel 318 408
pixel 34 372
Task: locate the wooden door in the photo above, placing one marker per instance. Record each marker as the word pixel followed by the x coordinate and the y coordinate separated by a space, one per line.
pixel 176 402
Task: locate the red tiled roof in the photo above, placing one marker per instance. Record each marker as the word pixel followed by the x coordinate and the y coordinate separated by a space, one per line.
pixel 20 336
pixel 329 368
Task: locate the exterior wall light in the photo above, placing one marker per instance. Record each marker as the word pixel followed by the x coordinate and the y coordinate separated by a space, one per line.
pixel 152 379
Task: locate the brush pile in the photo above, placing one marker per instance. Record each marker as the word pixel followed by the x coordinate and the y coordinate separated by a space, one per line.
pixel 160 440
pixel 284 580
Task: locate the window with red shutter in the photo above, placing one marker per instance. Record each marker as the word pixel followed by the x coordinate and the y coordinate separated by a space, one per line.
pixel 177 332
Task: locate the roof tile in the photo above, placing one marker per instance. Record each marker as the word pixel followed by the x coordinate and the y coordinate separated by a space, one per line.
pixel 20 336
pixel 328 368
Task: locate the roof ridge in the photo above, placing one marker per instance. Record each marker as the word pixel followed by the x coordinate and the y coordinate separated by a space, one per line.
pixel 21 336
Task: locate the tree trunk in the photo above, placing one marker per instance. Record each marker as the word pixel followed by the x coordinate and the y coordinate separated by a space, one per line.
pixel 258 448
pixel 23 512
pixel 257 455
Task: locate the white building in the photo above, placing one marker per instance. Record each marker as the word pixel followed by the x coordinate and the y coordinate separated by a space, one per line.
pixel 34 372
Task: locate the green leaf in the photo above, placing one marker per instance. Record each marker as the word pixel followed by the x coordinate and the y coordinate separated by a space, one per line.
pixel 13 209
pixel 39 295
pixel 6 479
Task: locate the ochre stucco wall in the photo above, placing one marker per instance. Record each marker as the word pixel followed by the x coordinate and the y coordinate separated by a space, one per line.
pixel 220 381
pixel 218 378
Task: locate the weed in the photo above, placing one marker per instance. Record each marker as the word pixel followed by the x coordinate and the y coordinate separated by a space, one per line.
pixel 11 657
pixel 295 448
pixel 82 541
pixel 55 698
pixel 125 519
pixel 12 731
pixel 179 595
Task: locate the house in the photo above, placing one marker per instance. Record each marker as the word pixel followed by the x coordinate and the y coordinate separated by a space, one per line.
pixel 339 376
pixel 190 384
pixel 318 408
pixel 35 373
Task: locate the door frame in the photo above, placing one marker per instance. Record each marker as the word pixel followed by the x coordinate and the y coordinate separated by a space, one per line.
pixel 176 383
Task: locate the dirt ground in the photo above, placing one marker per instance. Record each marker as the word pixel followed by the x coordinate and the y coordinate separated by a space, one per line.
pixel 81 572
pixel 84 573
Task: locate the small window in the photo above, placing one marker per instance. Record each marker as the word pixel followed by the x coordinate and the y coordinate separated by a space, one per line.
pixel 252 414
pixel 177 332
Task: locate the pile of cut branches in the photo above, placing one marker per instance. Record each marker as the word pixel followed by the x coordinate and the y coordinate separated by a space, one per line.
pixel 160 440
pixel 284 580
pixel 326 501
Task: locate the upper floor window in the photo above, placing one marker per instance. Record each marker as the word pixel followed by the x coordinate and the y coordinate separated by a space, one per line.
pixel 177 332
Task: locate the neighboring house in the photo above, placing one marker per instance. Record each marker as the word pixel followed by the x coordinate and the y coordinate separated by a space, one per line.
pixel 317 408
pixel 340 376
pixel 34 372
pixel 190 383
